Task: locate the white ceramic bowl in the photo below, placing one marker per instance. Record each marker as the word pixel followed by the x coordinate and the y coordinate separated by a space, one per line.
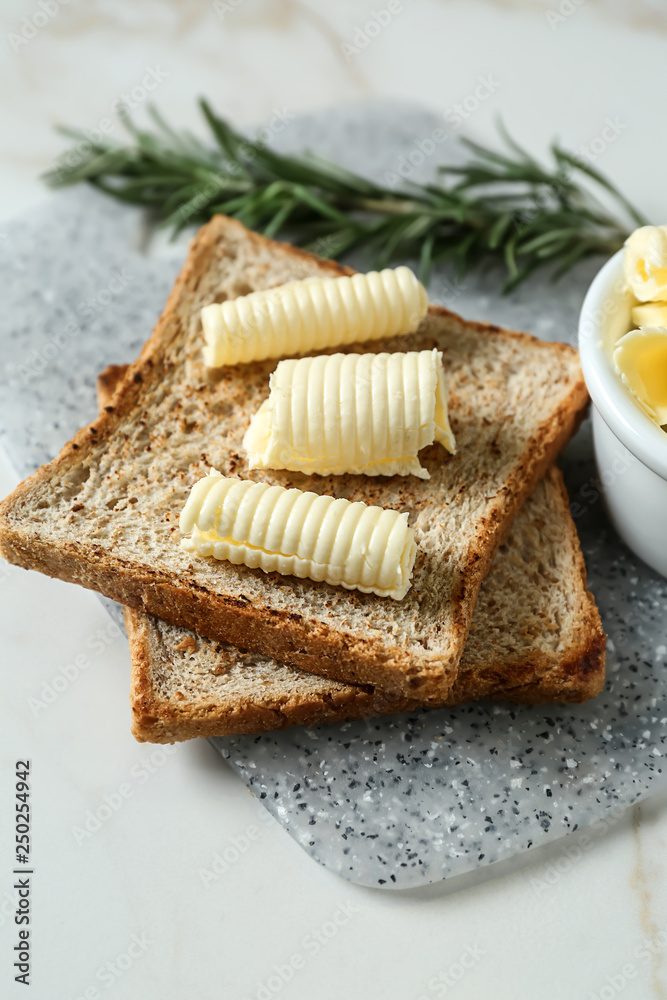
pixel 630 450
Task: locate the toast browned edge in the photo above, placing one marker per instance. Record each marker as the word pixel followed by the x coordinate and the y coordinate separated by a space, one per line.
pixel 529 681
pixel 157 720
pixel 323 650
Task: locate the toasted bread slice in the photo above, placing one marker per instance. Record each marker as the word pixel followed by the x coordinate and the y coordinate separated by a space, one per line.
pixel 535 637
pixel 105 512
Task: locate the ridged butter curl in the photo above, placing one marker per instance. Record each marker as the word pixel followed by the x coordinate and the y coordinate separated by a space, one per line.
pixel 352 413
pixel 302 534
pixel 311 315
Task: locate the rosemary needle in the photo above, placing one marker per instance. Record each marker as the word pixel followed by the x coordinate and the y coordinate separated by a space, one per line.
pixel 497 207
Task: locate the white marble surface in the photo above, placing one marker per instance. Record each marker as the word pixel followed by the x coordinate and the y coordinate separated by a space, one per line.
pixel 572 920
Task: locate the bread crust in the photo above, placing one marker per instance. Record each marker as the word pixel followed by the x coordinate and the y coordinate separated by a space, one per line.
pixel 156 720
pixel 331 650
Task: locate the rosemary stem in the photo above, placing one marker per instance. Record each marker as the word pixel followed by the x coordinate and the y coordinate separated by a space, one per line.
pixel 501 207
pixel 385 206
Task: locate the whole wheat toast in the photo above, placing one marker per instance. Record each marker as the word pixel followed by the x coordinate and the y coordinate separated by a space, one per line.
pixel 105 512
pixel 535 637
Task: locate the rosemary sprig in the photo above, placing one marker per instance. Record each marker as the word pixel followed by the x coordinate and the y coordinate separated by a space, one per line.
pixel 497 207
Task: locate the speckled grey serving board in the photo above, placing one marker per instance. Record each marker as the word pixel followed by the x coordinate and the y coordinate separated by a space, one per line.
pixel 400 801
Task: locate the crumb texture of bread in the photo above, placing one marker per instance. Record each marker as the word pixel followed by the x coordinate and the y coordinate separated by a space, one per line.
pixel 536 637
pixel 539 570
pixel 105 513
